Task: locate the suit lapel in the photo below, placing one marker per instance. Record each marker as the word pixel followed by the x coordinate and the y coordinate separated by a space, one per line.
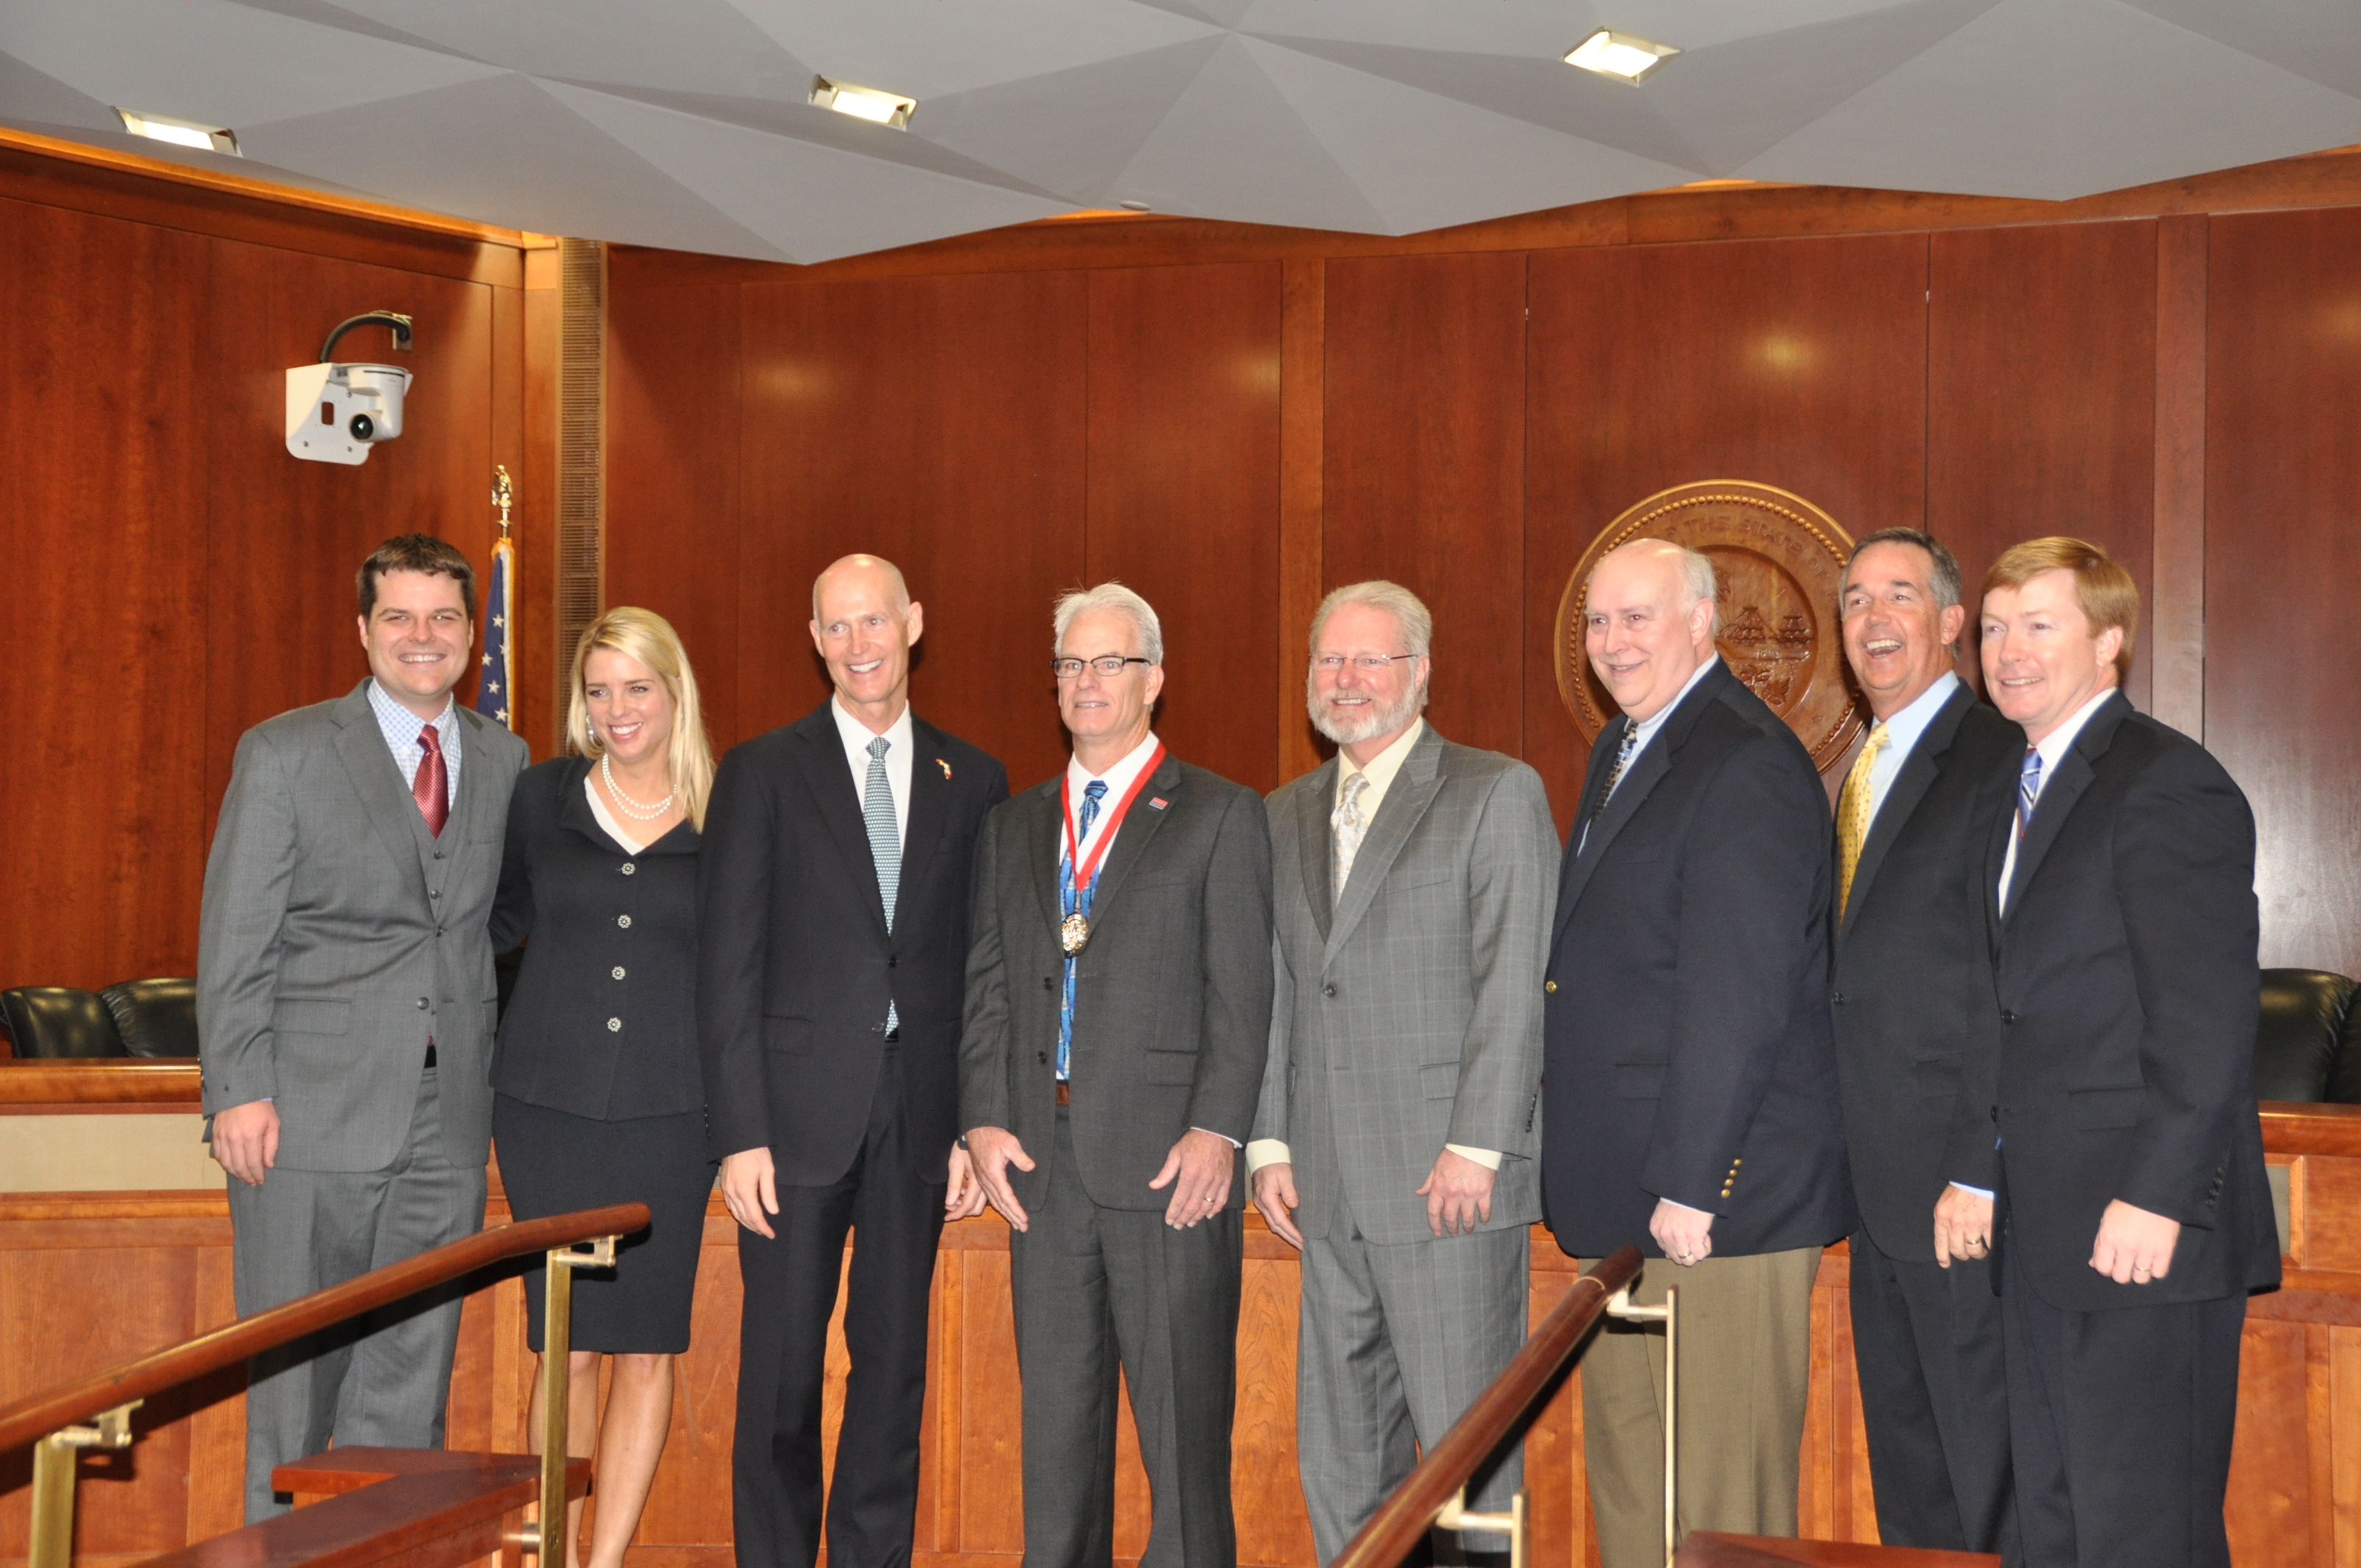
pixel 377 780
pixel 473 757
pixel 827 779
pixel 2058 794
pixel 1045 848
pixel 1918 772
pixel 1594 779
pixel 1313 801
pixel 931 808
pixel 1139 826
pixel 1413 790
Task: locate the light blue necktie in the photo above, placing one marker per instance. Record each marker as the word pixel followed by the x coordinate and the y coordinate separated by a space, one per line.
pixel 884 842
pixel 2028 790
pixel 1074 901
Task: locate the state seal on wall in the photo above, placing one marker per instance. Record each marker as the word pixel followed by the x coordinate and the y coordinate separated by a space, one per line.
pixel 1779 564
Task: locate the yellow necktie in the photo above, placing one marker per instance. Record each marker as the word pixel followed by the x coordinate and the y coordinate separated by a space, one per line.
pixel 1853 816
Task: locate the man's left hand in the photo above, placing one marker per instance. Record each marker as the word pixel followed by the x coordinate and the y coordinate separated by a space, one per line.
pixel 1685 1234
pixel 963 1196
pixel 2134 1247
pixel 1458 1194
pixel 1198 1170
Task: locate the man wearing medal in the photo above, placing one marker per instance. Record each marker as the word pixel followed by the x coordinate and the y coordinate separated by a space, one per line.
pixel 1118 1011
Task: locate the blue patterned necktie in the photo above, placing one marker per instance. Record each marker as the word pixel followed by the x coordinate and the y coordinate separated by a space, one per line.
pixel 2028 790
pixel 884 842
pixel 1075 901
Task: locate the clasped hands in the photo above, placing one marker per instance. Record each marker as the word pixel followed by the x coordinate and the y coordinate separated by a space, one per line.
pixel 2134 1245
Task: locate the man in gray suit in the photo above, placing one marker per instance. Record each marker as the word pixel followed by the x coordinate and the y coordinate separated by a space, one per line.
pixel 344 1008
pixel 1118 1007
pixel 1395 1140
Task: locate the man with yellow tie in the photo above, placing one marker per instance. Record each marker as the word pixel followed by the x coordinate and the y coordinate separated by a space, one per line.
pixel 1911 990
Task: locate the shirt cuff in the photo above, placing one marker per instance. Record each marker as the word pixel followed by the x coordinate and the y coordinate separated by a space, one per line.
pixel 1678 1205
pixel 1984 1192
pixel 1266 1151
pixel 1223 1136
pixel 1488 1158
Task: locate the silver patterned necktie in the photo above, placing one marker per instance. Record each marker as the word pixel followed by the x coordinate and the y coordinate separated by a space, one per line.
pixel 884 842
pixel 1630 744
pixel 1351 825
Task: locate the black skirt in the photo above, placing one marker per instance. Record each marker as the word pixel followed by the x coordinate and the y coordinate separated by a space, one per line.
pixel 554 1162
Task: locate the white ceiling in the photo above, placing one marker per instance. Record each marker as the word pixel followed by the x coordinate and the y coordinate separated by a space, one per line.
pixel 683 123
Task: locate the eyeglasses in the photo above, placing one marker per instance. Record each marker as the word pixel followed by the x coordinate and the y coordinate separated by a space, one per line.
pixel 1329 663
pixel 1108 666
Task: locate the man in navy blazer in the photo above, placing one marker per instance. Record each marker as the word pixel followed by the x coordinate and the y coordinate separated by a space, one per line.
pixel 1689 1084
pixel 831 965
pixel 1918 1041
pixel 2134 1214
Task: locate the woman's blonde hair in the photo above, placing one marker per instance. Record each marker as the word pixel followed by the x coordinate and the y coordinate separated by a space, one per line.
pixel 644 635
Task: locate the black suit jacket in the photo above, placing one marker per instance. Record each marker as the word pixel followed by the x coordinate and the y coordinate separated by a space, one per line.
pixel 795 968
pixel 1171 997
pixel 2127 987
pixel 1688 1051
pixel 1917 1037
pixel 565 885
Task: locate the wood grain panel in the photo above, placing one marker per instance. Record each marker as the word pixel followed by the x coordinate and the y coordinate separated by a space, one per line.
pixel 1795 363
pixel 1182 478
pixel 938 422
pixel 102 496
pixel 1426 481
pixel 2042 398
pixel 674 424
pixel 1302 474
pixel 2282 551
pixel 2270 1507
pixel 2177 613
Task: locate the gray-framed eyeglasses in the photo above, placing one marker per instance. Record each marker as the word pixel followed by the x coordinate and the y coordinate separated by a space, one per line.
pixel 1108 666
pixel 1368 664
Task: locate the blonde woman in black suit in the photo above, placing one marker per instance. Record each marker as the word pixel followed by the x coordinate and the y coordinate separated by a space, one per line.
pixel 599 1099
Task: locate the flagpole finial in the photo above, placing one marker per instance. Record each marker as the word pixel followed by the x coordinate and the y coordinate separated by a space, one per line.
pixel 503 495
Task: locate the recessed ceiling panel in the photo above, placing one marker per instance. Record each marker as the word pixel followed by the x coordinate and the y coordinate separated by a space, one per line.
pixel 927 47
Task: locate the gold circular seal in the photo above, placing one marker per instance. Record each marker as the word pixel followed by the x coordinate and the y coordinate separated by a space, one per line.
pixel 1780 563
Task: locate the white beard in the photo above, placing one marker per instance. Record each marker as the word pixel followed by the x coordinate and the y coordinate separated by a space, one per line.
pixel 1352 728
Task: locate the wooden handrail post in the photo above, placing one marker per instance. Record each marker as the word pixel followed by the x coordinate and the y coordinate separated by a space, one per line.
pixel 547 1537
pixel 53 1483
pixel 1669 1314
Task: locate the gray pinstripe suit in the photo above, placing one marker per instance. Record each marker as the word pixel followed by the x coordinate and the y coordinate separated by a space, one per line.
pixel 1407 1017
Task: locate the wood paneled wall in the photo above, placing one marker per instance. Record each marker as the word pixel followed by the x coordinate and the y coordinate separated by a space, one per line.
pixel 1235 420
pixel 174 575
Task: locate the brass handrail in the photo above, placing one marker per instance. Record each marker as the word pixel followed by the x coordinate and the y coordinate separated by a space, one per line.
pixel 1441 1476
pixel 29 1419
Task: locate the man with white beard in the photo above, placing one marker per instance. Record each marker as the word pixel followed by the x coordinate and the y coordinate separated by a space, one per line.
pixel 1414 882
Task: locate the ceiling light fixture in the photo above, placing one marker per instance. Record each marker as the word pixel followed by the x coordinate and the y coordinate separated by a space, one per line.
pixel 179 133
pixel 864 103
pixel 1626 57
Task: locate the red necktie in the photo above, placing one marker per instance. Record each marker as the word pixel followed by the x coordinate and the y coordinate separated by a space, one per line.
pixel 428 786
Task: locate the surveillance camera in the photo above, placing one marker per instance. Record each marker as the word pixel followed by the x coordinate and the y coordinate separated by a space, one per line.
pixel 336 413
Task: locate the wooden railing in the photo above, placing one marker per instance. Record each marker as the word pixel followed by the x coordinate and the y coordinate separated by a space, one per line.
pixel 1515 1394
pixel 59 1420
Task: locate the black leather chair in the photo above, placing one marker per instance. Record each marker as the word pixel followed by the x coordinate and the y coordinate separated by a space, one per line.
pixel 57 1021
pixel 155 1018
pixel 2308 1042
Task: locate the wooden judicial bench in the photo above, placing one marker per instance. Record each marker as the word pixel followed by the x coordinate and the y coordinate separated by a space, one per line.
pixel 89 1278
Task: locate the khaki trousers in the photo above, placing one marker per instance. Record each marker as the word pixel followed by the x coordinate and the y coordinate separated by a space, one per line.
pixel 1746 1356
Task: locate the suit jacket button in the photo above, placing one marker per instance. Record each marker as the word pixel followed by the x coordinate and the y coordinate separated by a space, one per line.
pixel 893 960
pixel 614 1025
pixel 1549 988
pixel 1042 1057
pixel 619 971
pixel 1836 997
pixel 629 868
pixel 422 1004
pixel 1328 990
pixel 624 921
pixel 1048 984
pixel 2006 1017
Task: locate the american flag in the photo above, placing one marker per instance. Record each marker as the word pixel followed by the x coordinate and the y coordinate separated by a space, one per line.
pixel 500 620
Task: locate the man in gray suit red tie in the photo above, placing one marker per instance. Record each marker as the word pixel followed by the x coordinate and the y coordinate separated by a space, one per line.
pixel 1395 1143
pixel 344 1007
pixel 1118 1008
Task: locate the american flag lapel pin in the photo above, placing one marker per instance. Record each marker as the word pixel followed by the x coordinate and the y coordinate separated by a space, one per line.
pixel 946 768
pixel 1156 803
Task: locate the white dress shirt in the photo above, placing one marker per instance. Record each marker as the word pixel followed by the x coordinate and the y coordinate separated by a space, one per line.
pixel 1118 780
pixel 401 728
pixel 900 742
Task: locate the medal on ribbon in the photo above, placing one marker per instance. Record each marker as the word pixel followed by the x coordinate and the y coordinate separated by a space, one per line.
pixel 1082 873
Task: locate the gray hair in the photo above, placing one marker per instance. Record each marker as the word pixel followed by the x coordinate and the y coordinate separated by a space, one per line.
pixel 1942 580
pixel 1112 596
pixel 1417 624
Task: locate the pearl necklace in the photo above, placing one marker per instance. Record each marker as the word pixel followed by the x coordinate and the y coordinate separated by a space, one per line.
pixel 632 809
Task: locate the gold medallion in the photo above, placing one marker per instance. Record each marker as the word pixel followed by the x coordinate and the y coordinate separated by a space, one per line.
pixel 1074 933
